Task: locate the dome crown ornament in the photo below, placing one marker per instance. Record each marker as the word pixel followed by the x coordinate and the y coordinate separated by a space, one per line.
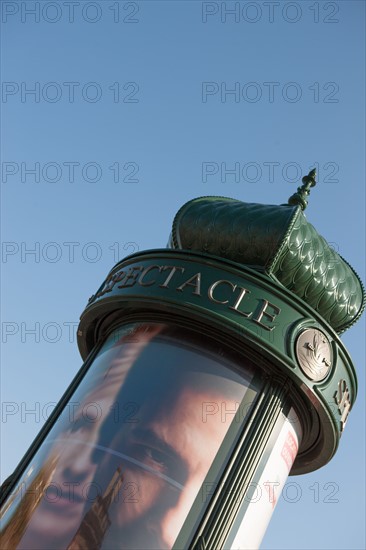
pixel 299 198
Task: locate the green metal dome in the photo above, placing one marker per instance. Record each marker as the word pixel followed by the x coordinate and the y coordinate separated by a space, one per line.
pixel 278 241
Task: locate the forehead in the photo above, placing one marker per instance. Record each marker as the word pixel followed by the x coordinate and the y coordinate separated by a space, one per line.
pixel 193 385
pixel 198 404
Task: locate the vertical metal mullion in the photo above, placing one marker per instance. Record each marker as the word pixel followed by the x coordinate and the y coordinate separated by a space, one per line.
pixel 232 488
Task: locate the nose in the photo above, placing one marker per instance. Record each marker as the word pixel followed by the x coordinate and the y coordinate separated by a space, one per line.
pixel 173 519
pixel 77 465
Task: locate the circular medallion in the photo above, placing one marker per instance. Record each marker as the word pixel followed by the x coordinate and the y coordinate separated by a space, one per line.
pixel 313 352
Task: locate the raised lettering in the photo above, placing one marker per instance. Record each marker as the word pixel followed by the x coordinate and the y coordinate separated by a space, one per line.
pixel 131 275
pixel 169 277
pixel 263 312
pixel 216 284
pixel 145 272
pixel 242 294
pixel 194 281
pixel 110 282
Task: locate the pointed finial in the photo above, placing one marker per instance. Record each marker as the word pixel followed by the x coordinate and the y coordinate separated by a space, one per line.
pixel 299 198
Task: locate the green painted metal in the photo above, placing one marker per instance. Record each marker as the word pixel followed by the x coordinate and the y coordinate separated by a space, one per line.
pixel 302 193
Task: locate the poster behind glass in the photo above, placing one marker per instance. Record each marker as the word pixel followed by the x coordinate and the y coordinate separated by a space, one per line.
pixel 125 460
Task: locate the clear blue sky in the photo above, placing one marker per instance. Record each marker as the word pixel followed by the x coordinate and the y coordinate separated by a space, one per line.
pixel 142 89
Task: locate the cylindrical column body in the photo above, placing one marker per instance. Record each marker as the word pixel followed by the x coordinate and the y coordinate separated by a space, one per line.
pixel 144 442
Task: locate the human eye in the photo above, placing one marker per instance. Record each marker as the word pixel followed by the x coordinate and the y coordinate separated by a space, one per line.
pixel 153 457
pixel 79 424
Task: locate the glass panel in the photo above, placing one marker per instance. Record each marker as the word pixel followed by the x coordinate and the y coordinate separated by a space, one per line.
pixel 269 480
pixel 125 461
